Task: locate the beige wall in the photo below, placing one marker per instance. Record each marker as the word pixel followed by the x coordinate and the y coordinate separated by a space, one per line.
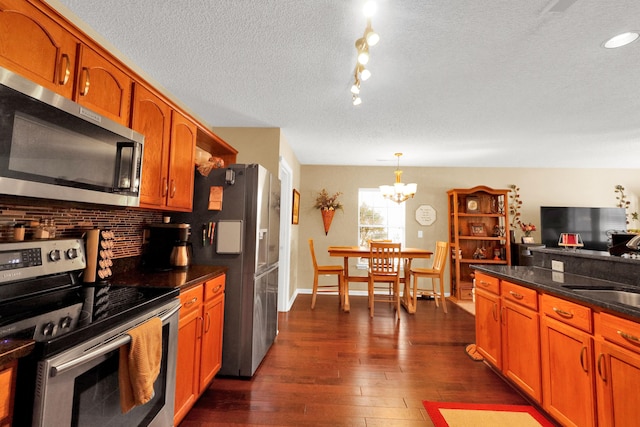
pixel 538 187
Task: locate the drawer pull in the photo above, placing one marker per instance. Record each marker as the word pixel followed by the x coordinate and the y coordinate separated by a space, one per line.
pixel 582 362
pixel 600 372
pixel 485 284
pixel 516 295
pixel 190 303
pixel 629 337
pixel 563 313
pixel 216 289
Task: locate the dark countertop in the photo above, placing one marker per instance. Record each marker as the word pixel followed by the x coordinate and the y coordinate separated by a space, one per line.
pixel 168 279
pixel 560 284
pixel 195 274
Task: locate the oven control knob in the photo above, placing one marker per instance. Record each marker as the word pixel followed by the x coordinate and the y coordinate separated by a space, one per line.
pixel 72 253
pixel 48 329
pixel 54 255
pixel 65 322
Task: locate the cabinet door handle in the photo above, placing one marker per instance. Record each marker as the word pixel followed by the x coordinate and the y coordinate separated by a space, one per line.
pixel 190 303
pixel 600 370
pixel 208 324
pixel 65 71
pixel 503 317
pixel 86 79
pixel 494 312
pixel 165 187
pixel 563 313
pixel 173 188
pixel 516 295
pixel 582 357
pixel 629 337
pixel 200 319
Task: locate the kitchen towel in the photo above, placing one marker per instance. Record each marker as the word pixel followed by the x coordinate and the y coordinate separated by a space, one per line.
pixel 140 364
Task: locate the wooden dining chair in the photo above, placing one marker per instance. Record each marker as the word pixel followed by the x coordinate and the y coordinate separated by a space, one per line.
pixel 326 270
pixel 384 266
pixel 435 272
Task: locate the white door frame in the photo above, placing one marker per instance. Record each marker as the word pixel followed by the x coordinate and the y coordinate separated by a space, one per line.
pixel 286 191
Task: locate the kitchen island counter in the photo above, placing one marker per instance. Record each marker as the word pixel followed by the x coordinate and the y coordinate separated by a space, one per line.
pixel 563 285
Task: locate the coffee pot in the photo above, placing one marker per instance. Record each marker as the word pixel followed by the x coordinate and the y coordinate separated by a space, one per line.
pixel 160 240
pixel 180 257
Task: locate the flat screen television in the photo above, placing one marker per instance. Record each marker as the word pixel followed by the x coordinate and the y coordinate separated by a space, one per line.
pixel 595 225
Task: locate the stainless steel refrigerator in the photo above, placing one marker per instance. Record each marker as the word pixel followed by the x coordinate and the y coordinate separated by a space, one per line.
pixel 244 236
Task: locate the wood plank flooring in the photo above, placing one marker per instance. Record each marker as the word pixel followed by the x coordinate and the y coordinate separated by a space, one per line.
pixel 329 368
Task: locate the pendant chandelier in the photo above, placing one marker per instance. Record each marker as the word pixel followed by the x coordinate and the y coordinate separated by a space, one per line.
pixel 398 192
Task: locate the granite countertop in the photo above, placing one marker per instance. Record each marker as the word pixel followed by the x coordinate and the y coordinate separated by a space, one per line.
pixel 195 274
pixel 168 279
pixel 14 349
pixel 561 284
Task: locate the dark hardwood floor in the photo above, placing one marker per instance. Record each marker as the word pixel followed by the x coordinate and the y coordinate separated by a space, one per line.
pixel 346 369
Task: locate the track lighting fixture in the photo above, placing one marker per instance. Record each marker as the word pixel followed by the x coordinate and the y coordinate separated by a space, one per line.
pixel 368 39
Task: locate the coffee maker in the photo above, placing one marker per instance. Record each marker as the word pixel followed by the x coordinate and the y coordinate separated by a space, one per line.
pixel 166 246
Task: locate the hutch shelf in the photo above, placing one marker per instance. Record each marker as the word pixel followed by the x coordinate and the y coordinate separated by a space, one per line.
pixel 478 234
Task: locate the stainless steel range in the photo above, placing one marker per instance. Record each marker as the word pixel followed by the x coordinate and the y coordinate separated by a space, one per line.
pixel 71 378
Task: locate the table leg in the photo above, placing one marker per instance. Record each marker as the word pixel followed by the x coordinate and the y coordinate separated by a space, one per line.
pixel 407 300
pixel 346 307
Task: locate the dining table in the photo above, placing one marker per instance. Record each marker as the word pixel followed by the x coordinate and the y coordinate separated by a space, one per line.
pixel 407 254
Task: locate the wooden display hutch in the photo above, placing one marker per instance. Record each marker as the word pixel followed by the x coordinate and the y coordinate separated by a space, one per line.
pixel 478 234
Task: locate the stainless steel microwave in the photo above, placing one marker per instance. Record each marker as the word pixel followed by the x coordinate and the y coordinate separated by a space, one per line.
pixel 54 148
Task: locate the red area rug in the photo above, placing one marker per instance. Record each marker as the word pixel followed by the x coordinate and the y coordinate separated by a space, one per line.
pixel 448 414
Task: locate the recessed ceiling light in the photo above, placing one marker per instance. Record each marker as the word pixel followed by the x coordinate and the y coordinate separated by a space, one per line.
pixel 621 40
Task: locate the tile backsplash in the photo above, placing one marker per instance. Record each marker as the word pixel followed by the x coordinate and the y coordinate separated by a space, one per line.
pixel 72 219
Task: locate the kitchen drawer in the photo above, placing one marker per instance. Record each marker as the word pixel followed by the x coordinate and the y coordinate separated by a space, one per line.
pixel 519 294
pixel 567 312
pixel 620 331
pixel 488 283
pixel 214 287
pixel 190 300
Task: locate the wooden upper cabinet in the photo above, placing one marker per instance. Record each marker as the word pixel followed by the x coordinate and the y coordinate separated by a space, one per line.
pixel 181 163
pixel 152 117
pixel 169 152
pixel 103 87
pixel 36 47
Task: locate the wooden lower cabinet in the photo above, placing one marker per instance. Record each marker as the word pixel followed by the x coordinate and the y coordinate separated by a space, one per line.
pixel 568 392
pixel 583 367
pixel 488 334
pixel 199 342
pixel 617 349
pixel 189 349
pixel 7 388
pixel 213 324
pixel 508 331
pixel 521 338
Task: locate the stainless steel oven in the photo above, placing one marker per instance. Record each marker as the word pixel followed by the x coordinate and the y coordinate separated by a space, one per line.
pixel 71 377
pixel 79 387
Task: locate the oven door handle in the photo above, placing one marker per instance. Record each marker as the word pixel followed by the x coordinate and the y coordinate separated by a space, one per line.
pixel 105 348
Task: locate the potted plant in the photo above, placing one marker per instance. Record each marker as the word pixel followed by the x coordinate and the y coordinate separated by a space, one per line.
pixel 327 204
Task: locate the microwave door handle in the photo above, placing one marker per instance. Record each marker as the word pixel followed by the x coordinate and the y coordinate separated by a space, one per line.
pixel 105 348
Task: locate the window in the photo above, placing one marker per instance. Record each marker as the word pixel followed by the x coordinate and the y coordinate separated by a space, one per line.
pixel 379 218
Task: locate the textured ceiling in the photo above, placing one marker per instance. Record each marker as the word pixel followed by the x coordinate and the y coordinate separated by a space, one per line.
pixel 454 83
